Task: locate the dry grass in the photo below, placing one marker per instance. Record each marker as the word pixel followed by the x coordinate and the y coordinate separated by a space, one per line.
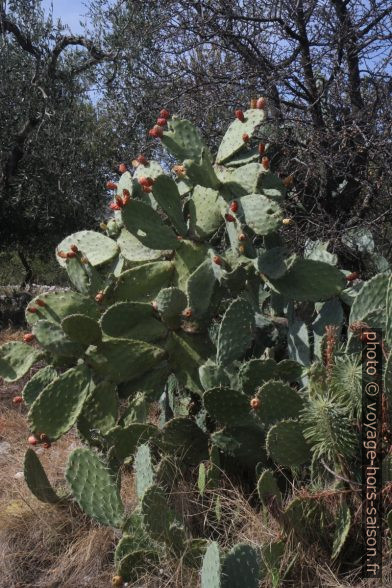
pixel 43 546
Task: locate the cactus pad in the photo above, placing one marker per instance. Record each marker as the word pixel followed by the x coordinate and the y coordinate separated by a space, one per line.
pixel 37 383
pixel 98 248
pixel 235 332
pixel 143 283
pixel 256 372
pixel 187 353
pixel 241 567
pixel 227 407
pixel 144 472
pixel 99 412
pixel 211 569
pixel 232 141
pixel 205 212
pixel 183 140
pixel 58 305
pixel 126 439
pixel 170 302
pixel 94 488
pixel 53 338
pixel 184 438
pixel 261 214
pixel 134 251
pixel 201 281
pixel 268 490
pixel 132 320
pixel 122 360
pixel 371 297
pixel 147 226
pixel 166 194
pixel 16 359
pixel 278 401
pixel 84 276
pixel 213 375
pixel 82 329
pixel 36 478
pixel 286 444
pixel 157 515
pixel 58 406
pixel 309 280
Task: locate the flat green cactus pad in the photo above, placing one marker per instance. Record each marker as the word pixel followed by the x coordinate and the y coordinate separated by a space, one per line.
pixel 137 563
pixel 170 302
pixel 286 444
pixel 200 289
pixel 123 360
pixel 100 409
pixel 126 439
pixel 227 407
pixel 144 471
pixel 152 170
pixel 246 443
pixel 98 248
pixel 53 338
pixel 261 214
pixel 309 280
pixel 183 140
pixel 232 141
pixel 255 372
pixel 184 438
pixel 211 568
pixel 278 401
pixel 84 276
pixel 58 305
pixel 268 490
pixel 272 262
pixel 143 283
pixel 37 383
pixel 166 194
pixel 94 488
pixel 372 296
pixel 157 515
pixel 289 370
pixel 241 567
pixel 36 478
pixel 188 257
pixel 212 375
pixel 132 320
pixel 134 251
pixel 186 354
pixel 58 406
pixel 235 332
pixel 147 226
pixel 205 212
pixel 125 183
pixel 82 329
pixel 16 359
pixel 201 172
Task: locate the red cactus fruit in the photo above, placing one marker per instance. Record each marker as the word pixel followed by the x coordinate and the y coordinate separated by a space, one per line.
pixel 99 297
pixel 288 182
pixel 241 249
pixel 242 237
pixel 143 181
pixel 142 159
pixel 62 254
pixel 28 337
pixel 40 302
pixel 147 189
pixel 114 206
pixel 261 148
pixel 352 277
pixel 245 138
pixel 154 304
pixel 255 403
pixel 74 248
pixel 71 254
pixel 253 103
pixel 156 132
pixel 32 440
pixel 187 312
pixel 31 309
pixel 111 186
pixel 218 260
pixel 126 197
pixel 17 400
pixel 161 122
pixel 230 218
pixel 240 115
pixel 119 201
pixel 261 103
pixel 117 581
pixel 179 170
pixel 265 162
pixel 234 206
pixel 47 445
pixel 122 168
pixel 164 113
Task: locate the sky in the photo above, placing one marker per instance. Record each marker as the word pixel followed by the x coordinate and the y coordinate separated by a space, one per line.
pixel 69 11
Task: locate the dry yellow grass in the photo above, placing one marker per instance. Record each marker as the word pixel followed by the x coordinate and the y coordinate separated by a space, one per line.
pixel 44 546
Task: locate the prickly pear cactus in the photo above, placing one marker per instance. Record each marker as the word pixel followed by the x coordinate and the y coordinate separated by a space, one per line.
pixel 188 280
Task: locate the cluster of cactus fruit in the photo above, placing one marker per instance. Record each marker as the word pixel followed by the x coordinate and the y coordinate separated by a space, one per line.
pixel 189 298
